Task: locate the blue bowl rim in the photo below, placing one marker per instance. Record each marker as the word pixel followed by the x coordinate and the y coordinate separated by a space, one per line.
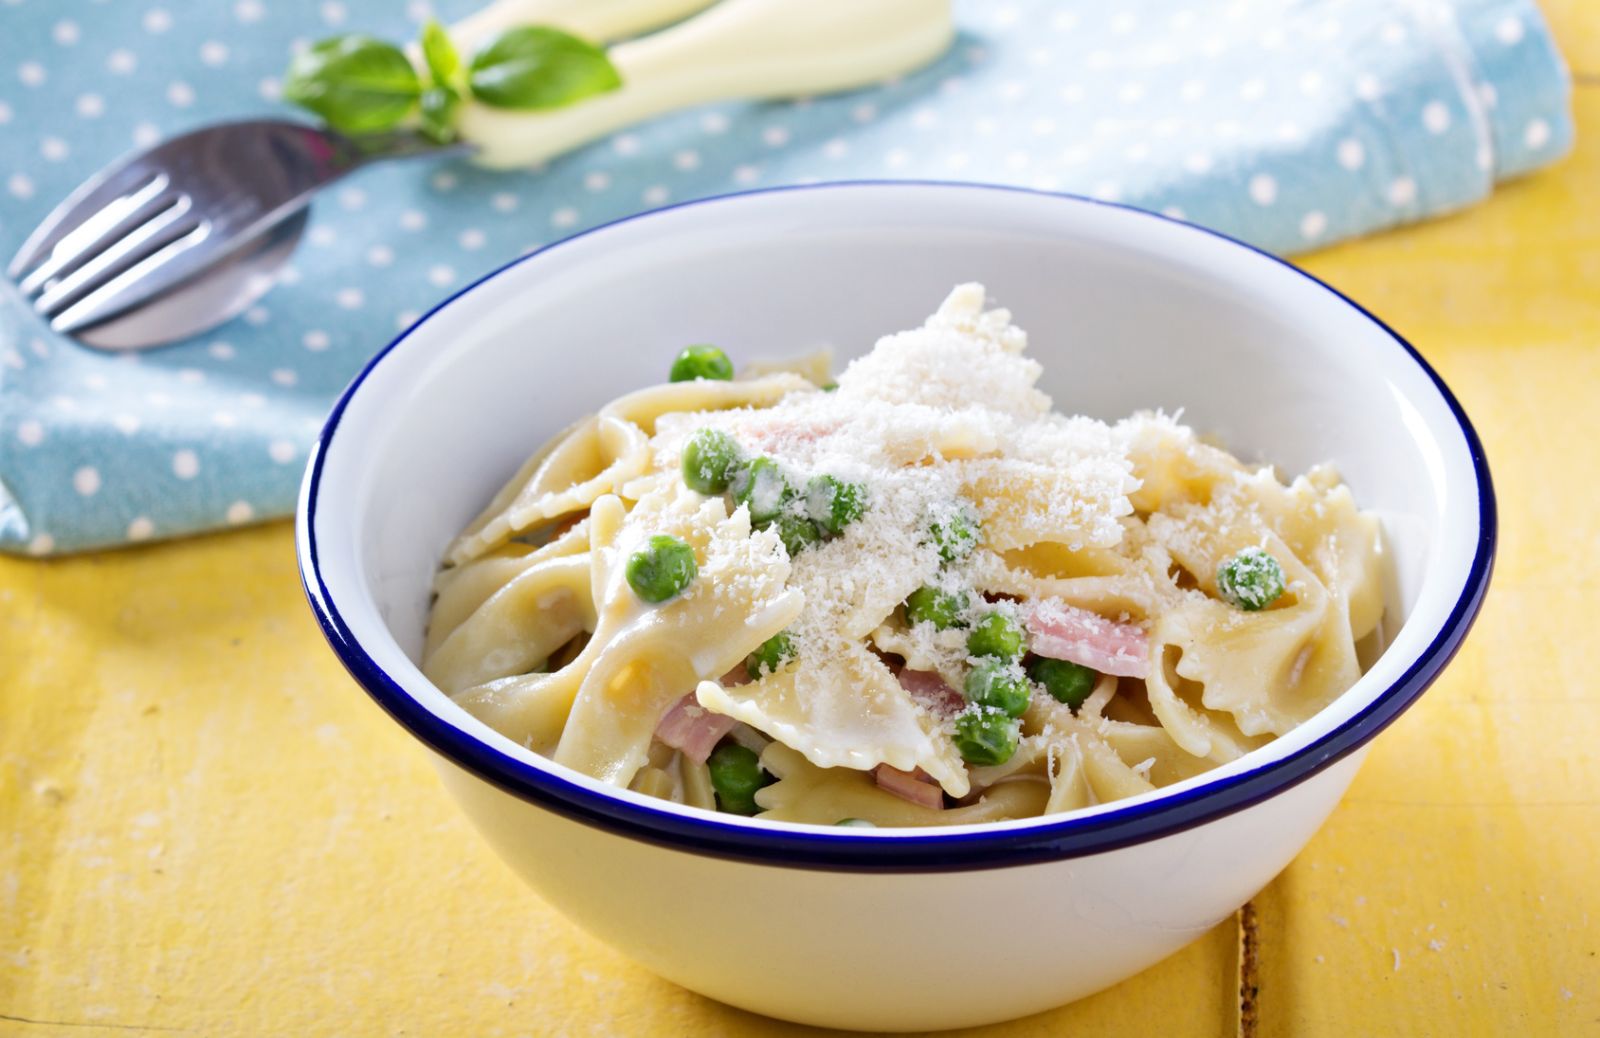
pixel 857 850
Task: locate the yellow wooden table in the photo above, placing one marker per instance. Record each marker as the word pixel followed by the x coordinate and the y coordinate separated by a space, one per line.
pixel 206 828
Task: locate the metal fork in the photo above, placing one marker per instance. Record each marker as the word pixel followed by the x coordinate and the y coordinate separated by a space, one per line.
pixel 179 238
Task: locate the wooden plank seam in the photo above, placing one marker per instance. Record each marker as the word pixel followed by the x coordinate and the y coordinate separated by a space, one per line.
pixel 1248 972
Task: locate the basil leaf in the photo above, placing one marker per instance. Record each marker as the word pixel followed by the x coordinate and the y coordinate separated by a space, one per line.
pixel 440 54
pixel 438 113
pixel 355 83
pixel 537 67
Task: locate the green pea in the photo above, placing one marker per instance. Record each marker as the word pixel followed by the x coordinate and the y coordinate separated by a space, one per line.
pixel 1067 682
pixel 834 504
pixel 760 486
pixel 771 655
pixel 996 635
pixel 986 737
pixel 830 387
pixel 1251 580
pixel 710 459
pixel 797 533
pixel 736 775
pixel 931 606
pixel 855 823
pixel 956 535
pixel 662 569
pixel 702 361
pixel 998 686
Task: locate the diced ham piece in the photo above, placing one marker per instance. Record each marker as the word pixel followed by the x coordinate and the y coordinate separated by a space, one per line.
pixel 1064 632
pixel 739 675
pixel 932 692
pixel 915 786
pixel 692 729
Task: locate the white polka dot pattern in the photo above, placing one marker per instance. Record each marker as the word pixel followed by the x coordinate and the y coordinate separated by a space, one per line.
pixel 1352 154
pixel 186 464
pixel 1289 123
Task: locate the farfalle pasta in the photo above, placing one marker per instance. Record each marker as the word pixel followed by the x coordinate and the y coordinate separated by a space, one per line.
pixel 917 596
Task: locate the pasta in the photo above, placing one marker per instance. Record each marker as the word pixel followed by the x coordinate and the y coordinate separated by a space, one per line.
pixel 916 597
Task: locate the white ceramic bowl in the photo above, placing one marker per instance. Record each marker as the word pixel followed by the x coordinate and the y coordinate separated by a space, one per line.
pixel 887 929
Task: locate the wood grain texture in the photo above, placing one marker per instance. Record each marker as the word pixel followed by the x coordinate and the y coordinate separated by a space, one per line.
pixel 205 828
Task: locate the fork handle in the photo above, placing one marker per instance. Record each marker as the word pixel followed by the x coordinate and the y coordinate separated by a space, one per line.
pixel 738 49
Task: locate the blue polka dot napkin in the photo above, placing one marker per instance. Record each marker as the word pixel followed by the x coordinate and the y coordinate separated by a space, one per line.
pixel 1289 123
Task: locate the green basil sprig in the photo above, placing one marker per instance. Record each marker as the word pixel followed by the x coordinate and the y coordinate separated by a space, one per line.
pixel 439 53
pixel 359 85
pixel 437 106
pixel 355 83
pixel 535 67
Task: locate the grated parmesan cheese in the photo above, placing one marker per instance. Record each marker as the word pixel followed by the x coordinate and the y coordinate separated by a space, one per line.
pixel 930 419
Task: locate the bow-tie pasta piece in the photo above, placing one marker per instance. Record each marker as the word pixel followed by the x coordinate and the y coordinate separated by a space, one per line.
pixel 804 792
pixel 844 708
pixel 598 455
pixel 519 627
pixel 1270 669
pixel 593 458
pixel 644 408
pixel 650 656
pixel 460 590
pixel 1317 518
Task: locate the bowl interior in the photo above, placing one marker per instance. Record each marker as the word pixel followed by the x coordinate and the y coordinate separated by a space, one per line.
pixel 1124 310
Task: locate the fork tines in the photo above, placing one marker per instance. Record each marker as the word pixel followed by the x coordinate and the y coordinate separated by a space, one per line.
pixel 90 258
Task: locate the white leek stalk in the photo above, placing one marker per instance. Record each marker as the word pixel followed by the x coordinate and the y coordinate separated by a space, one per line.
pixel 735 49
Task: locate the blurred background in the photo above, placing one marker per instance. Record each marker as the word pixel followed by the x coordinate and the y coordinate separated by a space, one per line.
pixel 1289 124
